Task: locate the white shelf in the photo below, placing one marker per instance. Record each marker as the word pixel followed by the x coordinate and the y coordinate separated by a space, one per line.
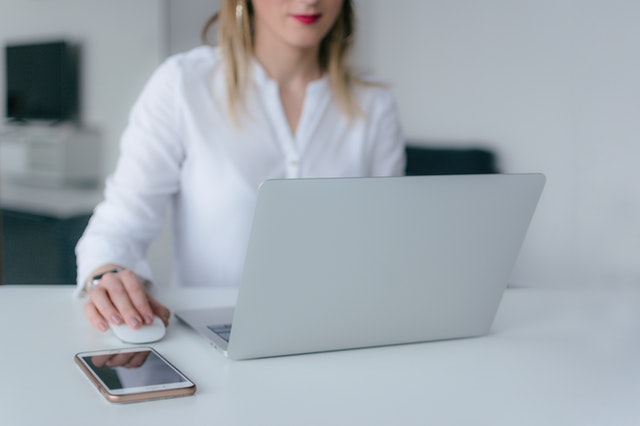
pixel 55 202
pixel 63 155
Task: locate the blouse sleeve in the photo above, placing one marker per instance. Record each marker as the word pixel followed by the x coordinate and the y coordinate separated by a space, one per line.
pixel 145 178
pixel 387 149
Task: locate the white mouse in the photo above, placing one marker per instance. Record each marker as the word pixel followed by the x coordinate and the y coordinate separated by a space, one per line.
pixel 144 334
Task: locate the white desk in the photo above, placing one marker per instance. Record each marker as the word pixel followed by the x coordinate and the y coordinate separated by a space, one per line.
pixel 553 358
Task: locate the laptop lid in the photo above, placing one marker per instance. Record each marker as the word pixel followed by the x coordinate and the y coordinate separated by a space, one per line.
pixel 356 262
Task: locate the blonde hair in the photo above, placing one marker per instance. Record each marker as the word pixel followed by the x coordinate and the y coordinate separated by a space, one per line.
pixel 235 38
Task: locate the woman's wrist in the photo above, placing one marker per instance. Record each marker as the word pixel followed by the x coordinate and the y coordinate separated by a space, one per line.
pixel 94 278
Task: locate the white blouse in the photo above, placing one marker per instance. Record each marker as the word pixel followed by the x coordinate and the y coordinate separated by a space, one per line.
pixel 180 149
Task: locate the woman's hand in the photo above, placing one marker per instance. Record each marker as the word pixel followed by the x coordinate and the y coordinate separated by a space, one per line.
pixel 121 297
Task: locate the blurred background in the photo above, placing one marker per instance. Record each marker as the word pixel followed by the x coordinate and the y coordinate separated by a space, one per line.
pixel 549 86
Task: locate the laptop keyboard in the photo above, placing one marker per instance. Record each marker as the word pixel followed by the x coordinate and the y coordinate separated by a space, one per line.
pixel 224 331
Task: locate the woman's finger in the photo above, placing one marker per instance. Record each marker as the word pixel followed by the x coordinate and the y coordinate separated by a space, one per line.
pixel 95 318
pixel 103 297
pixel 138 298
pixel 160 310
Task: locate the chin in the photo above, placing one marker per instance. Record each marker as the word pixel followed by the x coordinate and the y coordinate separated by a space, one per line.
pixel 306 41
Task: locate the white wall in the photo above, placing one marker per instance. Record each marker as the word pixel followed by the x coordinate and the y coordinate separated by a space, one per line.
pixel 186 18
pixel 554 86
pixel 121 43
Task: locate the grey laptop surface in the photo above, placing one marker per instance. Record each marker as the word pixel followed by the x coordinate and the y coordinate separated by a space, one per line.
pixel 357 262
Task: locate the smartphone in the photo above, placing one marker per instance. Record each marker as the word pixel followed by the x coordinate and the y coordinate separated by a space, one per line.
pixel 134 374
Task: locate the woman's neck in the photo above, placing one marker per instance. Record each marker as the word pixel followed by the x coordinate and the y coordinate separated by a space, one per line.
pixel 293 69
pixel 288 65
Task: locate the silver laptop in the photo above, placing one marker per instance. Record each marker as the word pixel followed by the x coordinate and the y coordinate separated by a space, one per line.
pixel 358 262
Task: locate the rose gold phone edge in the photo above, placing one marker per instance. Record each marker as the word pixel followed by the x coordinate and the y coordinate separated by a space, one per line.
pixel 139 396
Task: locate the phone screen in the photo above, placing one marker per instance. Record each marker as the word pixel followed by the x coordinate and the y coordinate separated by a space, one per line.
pixel 126 372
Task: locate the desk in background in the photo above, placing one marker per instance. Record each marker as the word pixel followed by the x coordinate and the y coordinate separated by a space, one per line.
pixel 554 357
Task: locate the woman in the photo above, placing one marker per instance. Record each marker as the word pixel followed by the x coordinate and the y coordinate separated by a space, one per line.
pixel 274 99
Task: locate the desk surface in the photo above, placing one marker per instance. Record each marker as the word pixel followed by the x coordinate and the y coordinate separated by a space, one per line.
pixel 554 357
pixel 57 202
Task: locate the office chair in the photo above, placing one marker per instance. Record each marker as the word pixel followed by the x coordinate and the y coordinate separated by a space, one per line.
pixel 438 160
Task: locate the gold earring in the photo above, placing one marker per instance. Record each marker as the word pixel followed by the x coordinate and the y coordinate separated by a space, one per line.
pixel 239 12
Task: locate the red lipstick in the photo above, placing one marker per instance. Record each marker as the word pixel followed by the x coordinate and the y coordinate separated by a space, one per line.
pixel 307 19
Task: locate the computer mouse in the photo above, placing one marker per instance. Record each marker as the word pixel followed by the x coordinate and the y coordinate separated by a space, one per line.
pixel 145 334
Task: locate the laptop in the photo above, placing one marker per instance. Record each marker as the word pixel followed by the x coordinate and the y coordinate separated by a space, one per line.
pixel 344 263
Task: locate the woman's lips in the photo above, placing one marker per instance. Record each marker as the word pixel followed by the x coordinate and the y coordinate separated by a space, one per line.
pixel 307 19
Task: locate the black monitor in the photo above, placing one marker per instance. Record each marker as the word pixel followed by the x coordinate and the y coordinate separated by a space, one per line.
pixel 42 81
